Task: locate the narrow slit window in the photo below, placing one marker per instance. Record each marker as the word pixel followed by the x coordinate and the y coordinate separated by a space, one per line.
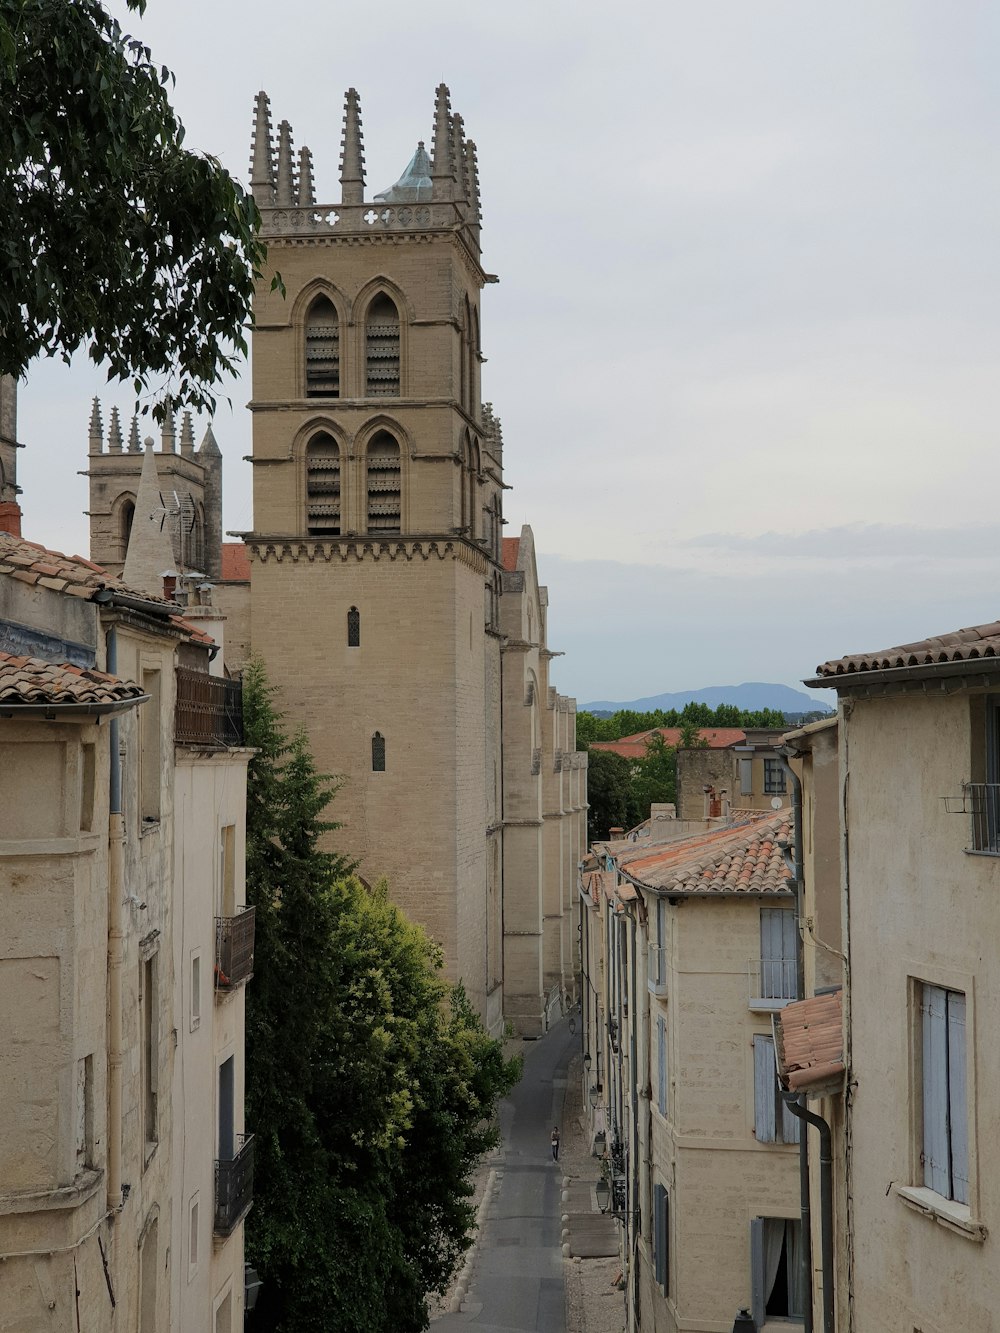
pixel 322 350
pixel 354 628
pixel 378 753
pixel 382 349
pixel 323 486
pixel 384 484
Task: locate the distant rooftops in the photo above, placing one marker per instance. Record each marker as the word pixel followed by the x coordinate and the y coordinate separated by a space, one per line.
pixel 634 747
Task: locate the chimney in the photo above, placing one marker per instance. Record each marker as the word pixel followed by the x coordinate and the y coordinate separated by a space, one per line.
pixel 10 517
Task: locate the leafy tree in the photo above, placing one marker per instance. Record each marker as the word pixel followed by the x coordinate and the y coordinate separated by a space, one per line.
pixel 113 236
pixel 655 777
pixel 609 785
pixel 371 1083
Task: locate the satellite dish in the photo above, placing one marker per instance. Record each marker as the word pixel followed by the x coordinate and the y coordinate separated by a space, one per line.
pixel 776 802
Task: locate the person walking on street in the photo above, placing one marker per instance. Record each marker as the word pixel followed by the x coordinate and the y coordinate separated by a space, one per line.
pixel 555 1143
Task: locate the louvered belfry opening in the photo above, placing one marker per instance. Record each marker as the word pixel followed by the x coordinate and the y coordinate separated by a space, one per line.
pixel 382 349
pixel 323 486
pixel 322 350
pixel 384 484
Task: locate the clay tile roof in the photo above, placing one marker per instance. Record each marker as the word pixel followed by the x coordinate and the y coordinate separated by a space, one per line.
pixel 634 747
pixel 741 859
pixel 810 1042
pixel 235 562
pixel 193 632
pixel 29 680
pixel 511 547
pixel 72 574
pixel 961 645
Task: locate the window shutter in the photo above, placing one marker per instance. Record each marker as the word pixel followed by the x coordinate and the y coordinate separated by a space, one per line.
pixel 659 1236
pixel 791 1125
pixel 763 1089
pixel 757 1271
pixel 957 1108
pixel 746 777
pixel 661 1050
pixel 935 1088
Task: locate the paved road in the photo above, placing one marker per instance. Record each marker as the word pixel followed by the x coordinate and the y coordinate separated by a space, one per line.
pixel 517 1284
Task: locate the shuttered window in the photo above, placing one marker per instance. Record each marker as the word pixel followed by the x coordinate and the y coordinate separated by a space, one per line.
pixel 945 1153
pixel 746 777
pixel 661 1237
pixel 323 486
pixel 322 350
pixel 661 1065
pixel 774 777
pixel 778 940
pixel 382 349
pixel 773 1122
pixel 776 1285
pixel 384 484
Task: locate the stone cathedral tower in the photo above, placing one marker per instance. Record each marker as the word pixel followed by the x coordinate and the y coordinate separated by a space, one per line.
pixel 375 554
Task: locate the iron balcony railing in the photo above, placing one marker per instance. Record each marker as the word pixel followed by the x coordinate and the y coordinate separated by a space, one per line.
pixel 982 801
pixel 234 939
pixel 209 709
pixel 771 982
pixel 234 1187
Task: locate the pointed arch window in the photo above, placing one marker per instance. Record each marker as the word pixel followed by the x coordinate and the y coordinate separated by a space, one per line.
pixel 126 516
pixel 378 753
pixel 384 484
pixel 382 349
pixel 354 628
pixel 322 350
pixel 323 486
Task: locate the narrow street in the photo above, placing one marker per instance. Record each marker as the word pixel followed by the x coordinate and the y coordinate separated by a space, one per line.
pixel 517 1277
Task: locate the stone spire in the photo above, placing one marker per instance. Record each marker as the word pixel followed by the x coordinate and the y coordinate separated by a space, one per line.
pixel 443 164
pixel 187 436
pixel 134 447
pixel 458 147
pixel 209 444
pixel 284 194
pixel 210 456
pixel 115 433
pixel 475 198
pixel 307 190
pixel 262 152
pixel 96 432
pixel 352 152
pixel 150 554
pixel 168 438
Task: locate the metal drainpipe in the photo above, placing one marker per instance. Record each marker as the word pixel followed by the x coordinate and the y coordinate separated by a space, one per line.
pixel 798 1108
pixel 805 1208
pixel 116 857
pixel 633 1218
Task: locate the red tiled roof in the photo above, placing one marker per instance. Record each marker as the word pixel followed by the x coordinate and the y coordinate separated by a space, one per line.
pixel 961 645
pixel 29 680
pixel 810 1042
pixel 511 546
pixel 192 631
pixel 235 562
pixel 634 747
pixel 71 574
pixel 742 859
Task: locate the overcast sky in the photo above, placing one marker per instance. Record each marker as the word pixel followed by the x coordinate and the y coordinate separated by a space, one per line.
pixel 746 338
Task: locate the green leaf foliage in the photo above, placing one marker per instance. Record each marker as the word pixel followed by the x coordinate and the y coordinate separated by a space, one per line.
pixel 627 722
pixel 113 236
pixel 371 1083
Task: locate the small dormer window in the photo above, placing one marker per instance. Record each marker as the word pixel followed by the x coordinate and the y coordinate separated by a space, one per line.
pixel 354 628
pixel 378 753
pixel 382 349
pixel 322 350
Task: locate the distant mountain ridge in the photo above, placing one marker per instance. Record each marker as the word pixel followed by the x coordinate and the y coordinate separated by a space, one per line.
pixel 749 695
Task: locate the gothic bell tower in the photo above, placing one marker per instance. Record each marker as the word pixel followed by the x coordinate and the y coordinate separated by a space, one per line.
pixel 375 550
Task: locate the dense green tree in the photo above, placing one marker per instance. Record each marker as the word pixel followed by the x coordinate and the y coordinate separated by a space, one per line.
pixel 371 1083
pixel 628 722
pixel 609 786
pixel 113 235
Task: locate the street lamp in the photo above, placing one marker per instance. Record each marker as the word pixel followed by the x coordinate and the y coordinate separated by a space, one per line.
pixel 744 1322
pixel 603 1191
pixel 595 1095
pixel 587 1062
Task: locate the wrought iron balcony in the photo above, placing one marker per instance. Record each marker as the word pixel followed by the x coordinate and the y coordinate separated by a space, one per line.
pixel 234 1187
pixel 234 940
pixel 772 982
pixel 209 709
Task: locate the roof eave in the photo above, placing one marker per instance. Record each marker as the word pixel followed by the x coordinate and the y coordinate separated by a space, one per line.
pixel 974 666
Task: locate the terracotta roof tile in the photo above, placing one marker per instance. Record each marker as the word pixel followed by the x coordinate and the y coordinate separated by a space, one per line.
pixel 235 562
pixel 29 680
pixel 34 564
pixel 191 630
pixel 511 547
pixel 810 1042
pixel 961 645
pixel 634 747
pixel 741 859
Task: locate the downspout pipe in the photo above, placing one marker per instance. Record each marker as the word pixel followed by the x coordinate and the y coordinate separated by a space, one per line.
pixel 795 864
pixel 798 1108
pixel 116 942
pixel 634 1216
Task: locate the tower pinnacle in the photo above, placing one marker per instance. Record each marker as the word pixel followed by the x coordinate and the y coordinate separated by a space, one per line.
pixel 352 153
pixel 284 194
pixel 115 433
pixel 262 152
pixel 443 165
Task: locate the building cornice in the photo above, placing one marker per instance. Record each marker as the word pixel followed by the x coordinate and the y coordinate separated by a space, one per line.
pixel 420 546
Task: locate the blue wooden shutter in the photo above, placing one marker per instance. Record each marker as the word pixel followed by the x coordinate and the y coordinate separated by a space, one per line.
pixel 791 1125
pixel 661 1239
pixel 757 1299
pixel 934 1022
pixel 661 1054
pixel 763 1089
pixel 958 1118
